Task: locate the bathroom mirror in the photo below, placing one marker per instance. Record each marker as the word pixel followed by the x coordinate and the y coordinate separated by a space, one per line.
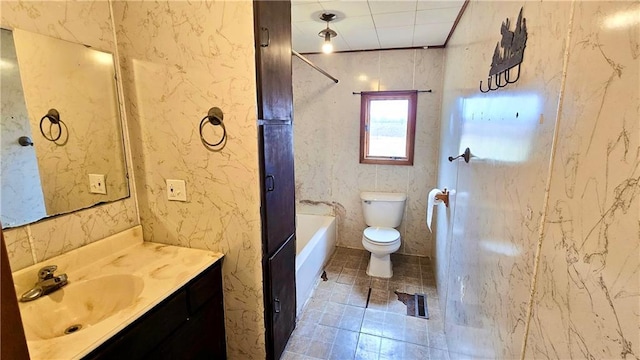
pixel 85 165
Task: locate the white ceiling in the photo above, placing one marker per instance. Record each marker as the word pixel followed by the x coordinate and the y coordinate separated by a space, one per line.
pixel 372 24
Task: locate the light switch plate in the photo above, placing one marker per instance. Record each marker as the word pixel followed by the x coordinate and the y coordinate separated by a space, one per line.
pixel 97 184
pixel 176 190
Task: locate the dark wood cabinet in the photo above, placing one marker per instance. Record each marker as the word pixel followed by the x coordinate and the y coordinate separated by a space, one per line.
pixel 282 295
pixel 189 324
pixel 272 22
pixel 278 234
pixel 278 194
pixel 13 344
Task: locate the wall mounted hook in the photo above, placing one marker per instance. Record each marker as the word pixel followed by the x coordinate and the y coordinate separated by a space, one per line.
pixel 466 156
pixel 508 54
pixel 25 141
pixel 507 75
pixel 489 88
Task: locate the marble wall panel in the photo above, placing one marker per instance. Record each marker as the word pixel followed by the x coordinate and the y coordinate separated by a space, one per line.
pixel 312 142
pixel 83 22
pixel 418 237
pixel 81 228
pixel 338 178
pixel 423 175
pixel 90 23
pixel 587 299
pixel 179 59
pixel 489 236
pixel 19 248
pixel 397 69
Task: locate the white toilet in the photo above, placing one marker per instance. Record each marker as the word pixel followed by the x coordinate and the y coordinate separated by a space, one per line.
pixel 382 213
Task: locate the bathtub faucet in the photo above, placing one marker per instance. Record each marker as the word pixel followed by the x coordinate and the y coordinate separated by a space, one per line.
pixel 47 283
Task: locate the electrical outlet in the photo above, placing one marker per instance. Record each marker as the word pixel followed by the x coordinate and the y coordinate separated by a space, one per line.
pixel 97 184
pixel 176 190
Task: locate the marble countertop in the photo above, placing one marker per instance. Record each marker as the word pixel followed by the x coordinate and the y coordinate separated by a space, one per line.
pixel 163 268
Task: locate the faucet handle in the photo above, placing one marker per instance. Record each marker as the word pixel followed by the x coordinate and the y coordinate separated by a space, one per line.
pixel 47 272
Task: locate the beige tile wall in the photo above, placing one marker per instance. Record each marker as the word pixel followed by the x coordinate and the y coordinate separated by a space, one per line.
pixel 327 135
pixel 178 60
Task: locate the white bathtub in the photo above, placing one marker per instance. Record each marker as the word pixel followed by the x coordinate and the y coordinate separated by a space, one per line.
pixel 315 242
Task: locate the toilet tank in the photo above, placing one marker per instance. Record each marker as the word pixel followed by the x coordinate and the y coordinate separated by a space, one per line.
pixel 383 209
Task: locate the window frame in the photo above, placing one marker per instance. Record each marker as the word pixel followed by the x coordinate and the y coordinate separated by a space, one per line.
pixel 365 101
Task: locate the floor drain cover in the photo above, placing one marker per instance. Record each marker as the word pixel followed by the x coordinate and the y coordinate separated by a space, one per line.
pixel 421 306
pixel 73 328
pixel 416 304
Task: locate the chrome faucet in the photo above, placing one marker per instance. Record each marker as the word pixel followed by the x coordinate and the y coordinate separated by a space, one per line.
pixel 47 283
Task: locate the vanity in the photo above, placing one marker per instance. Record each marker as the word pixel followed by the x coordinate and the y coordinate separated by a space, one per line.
pixel 126 298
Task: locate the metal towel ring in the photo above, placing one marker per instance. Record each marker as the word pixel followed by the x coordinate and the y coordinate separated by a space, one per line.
pixel 214 117
pixel 54 119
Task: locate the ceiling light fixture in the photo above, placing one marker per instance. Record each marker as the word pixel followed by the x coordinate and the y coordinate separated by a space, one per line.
pixel 327 33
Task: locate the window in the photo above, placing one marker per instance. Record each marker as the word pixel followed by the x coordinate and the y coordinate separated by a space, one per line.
pixel 387 127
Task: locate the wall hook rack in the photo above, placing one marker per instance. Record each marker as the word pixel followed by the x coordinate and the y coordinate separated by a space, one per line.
pixel 466 155
pixel 507 55
pixel 214 117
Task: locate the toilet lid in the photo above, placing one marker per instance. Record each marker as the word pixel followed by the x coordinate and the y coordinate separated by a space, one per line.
pixel 381 235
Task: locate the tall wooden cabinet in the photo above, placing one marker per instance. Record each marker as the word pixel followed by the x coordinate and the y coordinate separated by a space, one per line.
pixel 272 29
pixel 278 202
pixel 272 21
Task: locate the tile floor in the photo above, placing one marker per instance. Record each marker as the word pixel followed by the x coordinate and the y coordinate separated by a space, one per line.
pixel 337 323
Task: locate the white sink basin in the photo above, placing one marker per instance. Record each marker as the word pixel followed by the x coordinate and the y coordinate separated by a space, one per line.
pixel 79 305
pixel 112 283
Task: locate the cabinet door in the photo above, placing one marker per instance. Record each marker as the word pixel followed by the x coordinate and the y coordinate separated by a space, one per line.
pixel 281 282
pixel 278 185
pixel 146 333
pixel 14 343
pixel 273 59
pixel 201 337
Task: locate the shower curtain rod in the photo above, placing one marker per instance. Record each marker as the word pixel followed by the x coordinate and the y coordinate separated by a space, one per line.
pixel 420 91
pixel 314 66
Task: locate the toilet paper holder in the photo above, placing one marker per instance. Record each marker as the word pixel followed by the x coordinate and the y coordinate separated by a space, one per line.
pixel 444 196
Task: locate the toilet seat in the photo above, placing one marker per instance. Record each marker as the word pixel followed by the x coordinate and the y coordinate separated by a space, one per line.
pixel 381 235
